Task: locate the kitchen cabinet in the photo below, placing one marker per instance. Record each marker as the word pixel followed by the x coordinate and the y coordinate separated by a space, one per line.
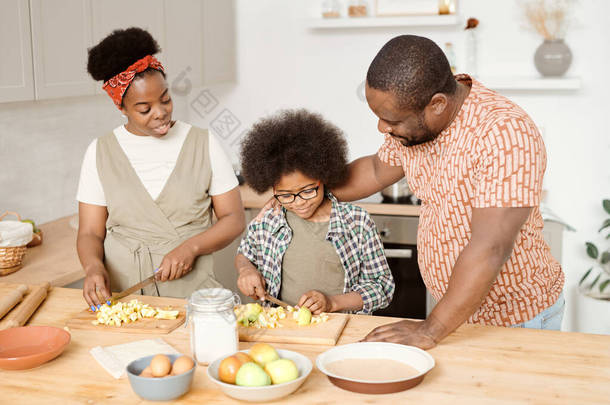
pixel 16 78
pixel 46 43
pixel 109 15
pixel 61 34
pixel 200 39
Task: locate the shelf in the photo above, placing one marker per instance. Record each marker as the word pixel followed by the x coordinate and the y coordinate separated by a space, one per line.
pixel 527 83
pixel 375 22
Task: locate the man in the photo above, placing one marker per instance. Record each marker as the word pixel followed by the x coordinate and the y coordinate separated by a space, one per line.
pixel 476 160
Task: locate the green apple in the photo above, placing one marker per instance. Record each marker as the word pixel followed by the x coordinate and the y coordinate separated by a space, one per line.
pixel 282 370
pixel 252 375
pixel 304 316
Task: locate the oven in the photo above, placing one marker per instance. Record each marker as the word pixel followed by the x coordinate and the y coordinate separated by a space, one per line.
pixel 399 237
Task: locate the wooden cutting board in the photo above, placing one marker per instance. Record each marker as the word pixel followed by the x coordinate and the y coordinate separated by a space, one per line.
pixel 326 333
pixel 83 319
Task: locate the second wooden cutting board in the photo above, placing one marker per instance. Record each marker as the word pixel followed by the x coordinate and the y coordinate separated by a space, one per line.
pixel 83 319
pixel 326 333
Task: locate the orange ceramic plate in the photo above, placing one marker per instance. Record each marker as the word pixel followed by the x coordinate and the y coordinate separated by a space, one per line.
pixel 30 346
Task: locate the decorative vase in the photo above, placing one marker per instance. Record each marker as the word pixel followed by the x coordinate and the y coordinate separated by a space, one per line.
pixel 553 57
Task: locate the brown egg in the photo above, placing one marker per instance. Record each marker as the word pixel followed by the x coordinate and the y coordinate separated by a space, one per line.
pixel 182 365
pixel 160 365
pixel 146 373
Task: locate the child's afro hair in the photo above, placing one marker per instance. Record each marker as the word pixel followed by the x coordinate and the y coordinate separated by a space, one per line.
pixel 293 140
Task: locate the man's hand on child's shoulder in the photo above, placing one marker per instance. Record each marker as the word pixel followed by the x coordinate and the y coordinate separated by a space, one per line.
pixel 272 204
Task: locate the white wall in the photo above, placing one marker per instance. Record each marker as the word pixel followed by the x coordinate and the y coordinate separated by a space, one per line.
pixel 42 144
pixel 281 63
pixel 41 149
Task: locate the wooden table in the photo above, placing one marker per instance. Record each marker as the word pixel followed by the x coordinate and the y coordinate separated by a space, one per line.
pixel 474 365
pixel 54 261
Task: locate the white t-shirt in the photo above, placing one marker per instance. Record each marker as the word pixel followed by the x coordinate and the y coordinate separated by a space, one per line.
pixel 153 160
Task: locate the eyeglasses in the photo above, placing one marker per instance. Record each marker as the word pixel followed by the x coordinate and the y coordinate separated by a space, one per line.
pixel 288 198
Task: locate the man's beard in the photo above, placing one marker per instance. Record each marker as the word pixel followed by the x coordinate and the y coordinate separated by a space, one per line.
pixel 424 134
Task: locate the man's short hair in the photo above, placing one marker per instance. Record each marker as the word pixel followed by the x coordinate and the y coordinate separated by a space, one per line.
pixel 413 69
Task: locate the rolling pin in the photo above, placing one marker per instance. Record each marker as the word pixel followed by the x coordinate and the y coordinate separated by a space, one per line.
pixel 11 299
pixel 26 308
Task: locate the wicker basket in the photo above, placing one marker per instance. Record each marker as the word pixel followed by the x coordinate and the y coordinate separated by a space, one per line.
pixel 11 257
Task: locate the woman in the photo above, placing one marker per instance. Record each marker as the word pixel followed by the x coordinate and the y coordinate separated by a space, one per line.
pixel 147 189
pixel 317 252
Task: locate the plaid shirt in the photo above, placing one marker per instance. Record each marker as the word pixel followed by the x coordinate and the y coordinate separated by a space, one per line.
pixel 354 236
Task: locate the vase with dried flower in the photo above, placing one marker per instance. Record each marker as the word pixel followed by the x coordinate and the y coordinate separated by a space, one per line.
pixel 550 19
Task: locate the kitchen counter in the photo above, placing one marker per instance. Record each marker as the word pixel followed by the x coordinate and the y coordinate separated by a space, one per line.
pixel 253 200
pixel 474 365
pixel 55 260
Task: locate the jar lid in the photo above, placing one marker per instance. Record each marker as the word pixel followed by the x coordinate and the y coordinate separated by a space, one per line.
pixel 213 299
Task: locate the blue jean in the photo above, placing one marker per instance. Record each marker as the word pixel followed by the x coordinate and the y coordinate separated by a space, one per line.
pixel 549 319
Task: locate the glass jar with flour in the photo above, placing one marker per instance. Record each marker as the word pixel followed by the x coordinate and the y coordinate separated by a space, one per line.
pixel 212 323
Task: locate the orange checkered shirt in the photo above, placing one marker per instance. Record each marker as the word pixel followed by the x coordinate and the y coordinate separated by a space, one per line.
pixel 491 155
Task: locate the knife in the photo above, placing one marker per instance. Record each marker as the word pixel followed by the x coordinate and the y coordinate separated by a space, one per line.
pixel 133 288
pixel 276 301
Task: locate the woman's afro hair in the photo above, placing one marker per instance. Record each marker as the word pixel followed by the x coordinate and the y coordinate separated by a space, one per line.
pixel 293 140
pixel 118 51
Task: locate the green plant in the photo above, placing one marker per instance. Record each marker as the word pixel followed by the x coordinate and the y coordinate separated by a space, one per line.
pixel 601 269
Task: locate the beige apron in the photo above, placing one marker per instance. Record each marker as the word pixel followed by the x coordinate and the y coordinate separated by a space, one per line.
pixel 140 231
pixel 310 262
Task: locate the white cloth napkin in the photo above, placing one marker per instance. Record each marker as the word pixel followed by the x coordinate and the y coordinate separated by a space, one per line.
pixel 114 359
pixel 15 233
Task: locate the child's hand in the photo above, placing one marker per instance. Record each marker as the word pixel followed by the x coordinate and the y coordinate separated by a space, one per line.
pixel 316 301
pixel 251 283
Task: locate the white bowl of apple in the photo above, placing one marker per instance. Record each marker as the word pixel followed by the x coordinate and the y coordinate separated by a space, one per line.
pixel 262 373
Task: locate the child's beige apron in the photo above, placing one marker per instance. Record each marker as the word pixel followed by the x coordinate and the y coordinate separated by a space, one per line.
pixel 140 231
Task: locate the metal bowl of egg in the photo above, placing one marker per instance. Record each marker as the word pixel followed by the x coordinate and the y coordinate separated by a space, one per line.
pixel 162 377
pixel 375 367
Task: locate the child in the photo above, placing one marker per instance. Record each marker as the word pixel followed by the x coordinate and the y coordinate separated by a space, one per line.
pixel 317 252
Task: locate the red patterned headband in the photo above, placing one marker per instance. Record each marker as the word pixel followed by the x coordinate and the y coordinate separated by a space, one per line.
pixel 117 85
